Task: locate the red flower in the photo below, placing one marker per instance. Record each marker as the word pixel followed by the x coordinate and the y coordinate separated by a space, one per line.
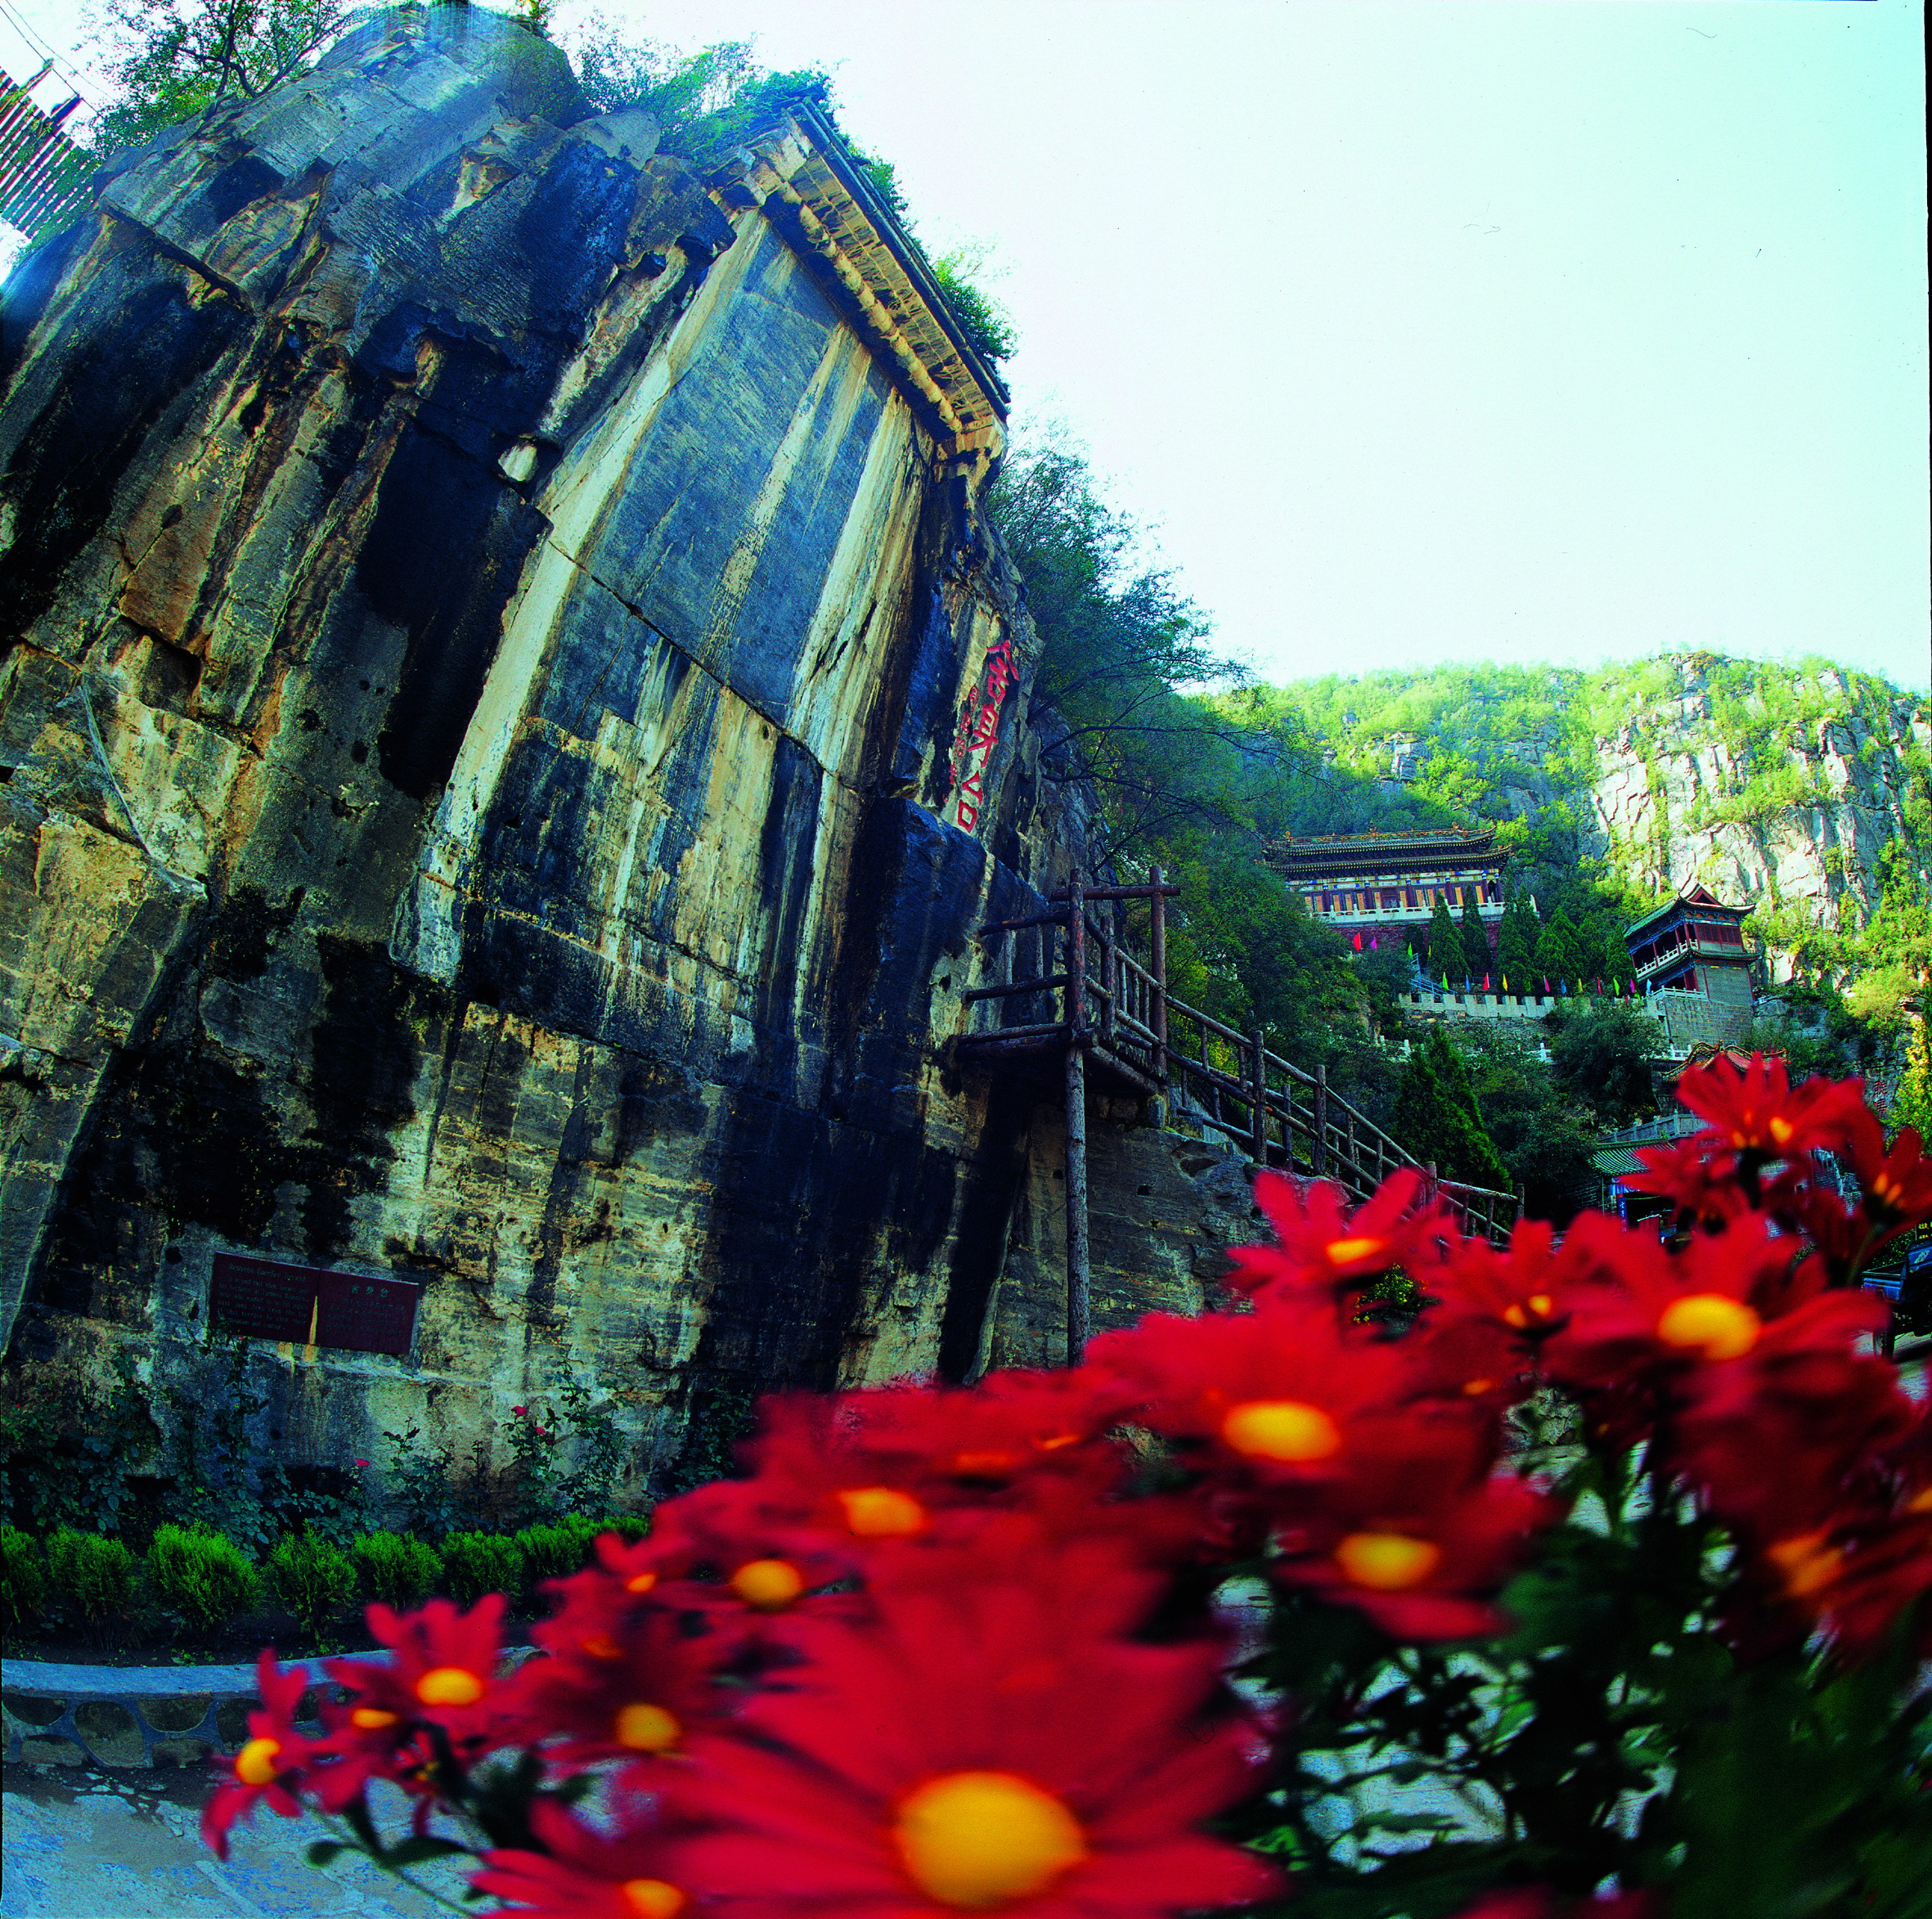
pixel 1898 1184
pixel 270 1764
pixel 1522 1290
pixel 1279 1398
pixel 1698 1176
pixel 1727 1295
pixel 985 1743
pixel 1323 1246
pixel 834 1478
pixel 1421 1566
pixel 444 1675
pixel 1855 1578
pixel 586 1875
pixel 1759 1112
pixel 632 1698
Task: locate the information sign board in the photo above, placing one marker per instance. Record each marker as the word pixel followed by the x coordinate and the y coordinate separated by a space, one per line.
pixel 353 1312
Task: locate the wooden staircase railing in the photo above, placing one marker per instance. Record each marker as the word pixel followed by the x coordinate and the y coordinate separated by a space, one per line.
pixel 1064 983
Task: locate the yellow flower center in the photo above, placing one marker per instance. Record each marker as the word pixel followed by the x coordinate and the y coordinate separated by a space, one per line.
pixel 987 1465
pixel 640 1582
pixel 1807 1563
pixel 653 1898
pixel 1781 1129
pixel 979 1839
pixel 371 1718
pixel 647 1728
pixel 878 1512
pixel 449 1685
pixel 601 1646
pixel 768 1584
pixel 1281 1429
pixel 1713 1323
pixel 1054 1441
pixel 254 1764
pixel 1345 1252
pixel 1919 1502
pixel 1475 1388
pixel 1886 1190
pixel 1386 1562
pixel 1538 1305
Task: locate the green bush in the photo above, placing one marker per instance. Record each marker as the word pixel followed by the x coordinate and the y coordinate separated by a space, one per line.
pixel 555 1551
pixel 90 1578
pixel 399 1571
pixel 315 1581
pixel 630 1528
pixel 476 1563
pixel 23 1578
pixel 202 1576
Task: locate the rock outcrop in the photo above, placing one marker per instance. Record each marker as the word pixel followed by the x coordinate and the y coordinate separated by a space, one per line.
pixel 510 717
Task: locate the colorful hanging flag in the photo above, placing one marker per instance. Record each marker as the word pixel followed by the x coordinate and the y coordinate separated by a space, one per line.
pixel 1358 942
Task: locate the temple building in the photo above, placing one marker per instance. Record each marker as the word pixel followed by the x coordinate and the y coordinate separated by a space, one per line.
pixel 1695 946
pixel 1377 882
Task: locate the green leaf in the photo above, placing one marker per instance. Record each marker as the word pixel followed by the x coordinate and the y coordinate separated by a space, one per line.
pixel 413 1852
pixel 323 1851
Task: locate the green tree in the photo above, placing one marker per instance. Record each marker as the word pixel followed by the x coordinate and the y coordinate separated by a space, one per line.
pixel 1558 954
pixel 1912 1105
pixel 1542 1138
pixel 171 59
pixel 1476 958
pixel 1445 943
pixel 1600 1050
pixel 1516 942
pixel 1437 1117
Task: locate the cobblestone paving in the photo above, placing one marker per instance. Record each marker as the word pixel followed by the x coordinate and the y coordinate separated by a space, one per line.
pixel 84 1844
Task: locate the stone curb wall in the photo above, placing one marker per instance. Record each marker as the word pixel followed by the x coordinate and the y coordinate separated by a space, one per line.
pixel 125 1716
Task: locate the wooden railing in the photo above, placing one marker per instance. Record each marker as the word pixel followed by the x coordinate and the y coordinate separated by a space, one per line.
pixel 1065 974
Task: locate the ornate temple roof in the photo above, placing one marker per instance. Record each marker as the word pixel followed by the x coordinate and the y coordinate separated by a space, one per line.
pixel 1317 856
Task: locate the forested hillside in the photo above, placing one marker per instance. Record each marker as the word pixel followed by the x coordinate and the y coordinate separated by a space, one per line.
pixel 1799 790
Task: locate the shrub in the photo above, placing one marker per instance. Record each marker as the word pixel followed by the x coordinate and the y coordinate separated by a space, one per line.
pixel 90 1578
pixel 23 1578
pixel 476 1563
pixel 396 1569
pixel 315 1581
pixel 202 1576
pixel 555 1551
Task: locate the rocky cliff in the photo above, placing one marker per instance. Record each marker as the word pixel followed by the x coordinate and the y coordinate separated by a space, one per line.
pixel 1776 786
pixel 510 717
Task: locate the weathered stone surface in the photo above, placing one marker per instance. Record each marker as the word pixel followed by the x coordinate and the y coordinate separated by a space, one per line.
pixel 488 616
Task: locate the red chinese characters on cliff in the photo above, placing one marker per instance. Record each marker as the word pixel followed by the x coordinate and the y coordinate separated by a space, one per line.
pixel 979 733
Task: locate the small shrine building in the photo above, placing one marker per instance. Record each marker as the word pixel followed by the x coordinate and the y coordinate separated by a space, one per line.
pixel 1695 944
pixel 1377 882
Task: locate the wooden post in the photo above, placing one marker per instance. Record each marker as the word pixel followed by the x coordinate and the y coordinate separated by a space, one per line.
pixel 1078 1275
pixel 1157 965
pixel 1258 1085
pixel 1522 1199
pixel 1319 1157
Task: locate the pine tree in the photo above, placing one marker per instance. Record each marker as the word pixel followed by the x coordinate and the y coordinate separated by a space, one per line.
pixel 1445 943
pixel 1436 1117
pixel 1557 955
pixel 1476 959
pixel 1515 942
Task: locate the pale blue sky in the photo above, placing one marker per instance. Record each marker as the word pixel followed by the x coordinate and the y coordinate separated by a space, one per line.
pixel 1442 330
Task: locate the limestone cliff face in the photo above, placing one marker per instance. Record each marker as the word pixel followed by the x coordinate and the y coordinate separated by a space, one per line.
pixel 506 736
pixel 1787 815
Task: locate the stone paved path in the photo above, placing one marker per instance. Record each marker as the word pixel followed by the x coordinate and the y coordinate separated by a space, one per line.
pixel 79 1843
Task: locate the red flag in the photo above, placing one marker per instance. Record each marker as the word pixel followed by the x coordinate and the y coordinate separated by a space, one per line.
pixel 1358 942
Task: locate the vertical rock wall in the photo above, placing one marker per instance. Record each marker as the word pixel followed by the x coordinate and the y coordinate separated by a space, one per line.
pixel 487 613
